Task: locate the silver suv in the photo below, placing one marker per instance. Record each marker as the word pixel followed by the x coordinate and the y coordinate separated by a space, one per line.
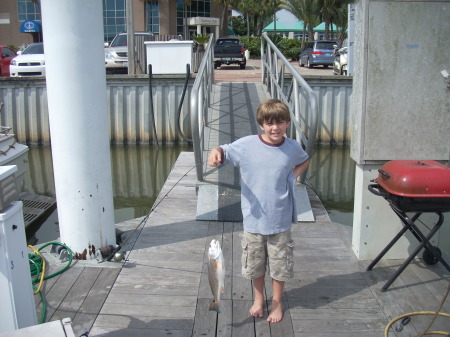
pixel 116 53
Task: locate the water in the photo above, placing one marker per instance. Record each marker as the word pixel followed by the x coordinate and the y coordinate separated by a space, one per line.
pixel 139 173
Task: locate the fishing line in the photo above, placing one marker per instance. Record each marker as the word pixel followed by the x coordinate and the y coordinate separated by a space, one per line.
pixel 155 204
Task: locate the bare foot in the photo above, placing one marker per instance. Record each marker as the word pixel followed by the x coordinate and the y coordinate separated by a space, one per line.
pixel 276 314
pixel 257 310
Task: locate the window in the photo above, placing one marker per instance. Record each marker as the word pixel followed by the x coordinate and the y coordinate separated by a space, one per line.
pixel 152 16
pixel 200 8
pixel 28 10
pixel 6 52
pixel 114 18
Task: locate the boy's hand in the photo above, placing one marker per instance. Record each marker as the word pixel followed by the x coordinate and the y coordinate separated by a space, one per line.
pixel 215 157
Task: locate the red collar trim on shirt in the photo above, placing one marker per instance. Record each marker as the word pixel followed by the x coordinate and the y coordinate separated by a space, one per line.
pixel 270 144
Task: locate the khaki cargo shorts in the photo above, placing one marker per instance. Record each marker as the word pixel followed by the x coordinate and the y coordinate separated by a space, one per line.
pixel 275 251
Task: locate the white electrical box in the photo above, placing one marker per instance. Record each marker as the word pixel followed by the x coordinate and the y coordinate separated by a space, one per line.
pixel 18 308
pixel 169 57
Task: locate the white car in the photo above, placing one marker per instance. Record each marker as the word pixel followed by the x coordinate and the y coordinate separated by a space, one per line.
pixel 116 53
pixel 31 62
pixel 340 61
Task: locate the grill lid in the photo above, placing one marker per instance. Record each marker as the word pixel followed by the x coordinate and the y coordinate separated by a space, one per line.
pixel 415 178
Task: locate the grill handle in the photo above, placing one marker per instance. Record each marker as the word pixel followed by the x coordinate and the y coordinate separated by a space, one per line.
pixel 384 173
pixel 377 190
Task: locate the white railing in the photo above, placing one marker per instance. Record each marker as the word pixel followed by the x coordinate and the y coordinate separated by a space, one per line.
pixel 200 101
pixel 295 94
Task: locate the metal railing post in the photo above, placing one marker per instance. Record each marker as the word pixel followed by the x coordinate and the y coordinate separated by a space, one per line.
pixel 200 102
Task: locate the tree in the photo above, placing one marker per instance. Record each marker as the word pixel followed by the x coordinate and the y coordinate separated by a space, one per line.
pixel 266 12
pixel 248 7
pixel 341 21
pixel 225 4
pixel 306 11
pixel 239 25
pixel 327 11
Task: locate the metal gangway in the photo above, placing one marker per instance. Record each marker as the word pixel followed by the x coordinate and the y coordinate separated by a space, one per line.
pixel 224 112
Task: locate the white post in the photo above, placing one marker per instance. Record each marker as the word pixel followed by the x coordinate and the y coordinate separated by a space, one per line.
pixel 76 88
pixel 130 38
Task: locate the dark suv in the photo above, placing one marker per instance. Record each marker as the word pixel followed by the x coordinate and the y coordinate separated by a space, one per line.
pixel 317 53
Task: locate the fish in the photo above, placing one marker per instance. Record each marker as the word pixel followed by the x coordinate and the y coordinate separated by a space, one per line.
pixel 216 274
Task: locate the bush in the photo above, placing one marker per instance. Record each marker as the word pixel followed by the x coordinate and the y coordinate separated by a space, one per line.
pixel 293 53
pixel 253 44
pixel 289 47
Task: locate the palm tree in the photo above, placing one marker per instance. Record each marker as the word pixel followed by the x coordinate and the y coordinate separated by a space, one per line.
pixel 341 21
pixel 248 7
pixel 327 10
pixel 265 12
pixel 306 11
pixel 225 5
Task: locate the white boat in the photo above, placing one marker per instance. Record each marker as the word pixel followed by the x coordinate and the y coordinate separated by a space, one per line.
pixel 13 153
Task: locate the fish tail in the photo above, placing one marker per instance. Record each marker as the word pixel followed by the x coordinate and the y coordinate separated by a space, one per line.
pixel 214 306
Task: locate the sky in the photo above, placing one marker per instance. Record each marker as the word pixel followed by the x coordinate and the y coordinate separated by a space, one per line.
pixel 286 18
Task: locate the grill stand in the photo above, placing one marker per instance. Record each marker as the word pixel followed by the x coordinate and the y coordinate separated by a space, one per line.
pixel 408 224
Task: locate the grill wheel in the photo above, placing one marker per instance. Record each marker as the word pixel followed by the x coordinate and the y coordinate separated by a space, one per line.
pixel 431 258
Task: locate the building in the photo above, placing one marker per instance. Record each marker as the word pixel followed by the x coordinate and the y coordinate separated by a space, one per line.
pixel 20 19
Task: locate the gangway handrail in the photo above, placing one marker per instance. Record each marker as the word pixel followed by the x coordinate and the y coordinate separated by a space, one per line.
pixel 275 82
pixel 200 102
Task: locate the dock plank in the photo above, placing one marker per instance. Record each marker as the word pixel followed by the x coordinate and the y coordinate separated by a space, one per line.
pixel 205 321
pixel 58 293
pixel 94 300
pixel 77 294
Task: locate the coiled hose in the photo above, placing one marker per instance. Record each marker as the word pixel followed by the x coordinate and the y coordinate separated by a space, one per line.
pixel 434 313
pixel 37 270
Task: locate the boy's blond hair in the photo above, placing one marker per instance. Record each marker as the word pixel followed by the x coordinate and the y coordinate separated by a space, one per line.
pixel 272 110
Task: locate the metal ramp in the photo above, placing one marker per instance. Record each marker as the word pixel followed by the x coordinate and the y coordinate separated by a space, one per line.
pixel 232 116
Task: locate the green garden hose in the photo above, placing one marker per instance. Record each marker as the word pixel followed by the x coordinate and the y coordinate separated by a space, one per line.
pixel 37 270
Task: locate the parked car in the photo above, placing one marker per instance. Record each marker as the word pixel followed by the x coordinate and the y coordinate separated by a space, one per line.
pixel 31 62
pixel 229 50
pixel 340 61
pixel 116 53
pixel 6 55
pixel 317 53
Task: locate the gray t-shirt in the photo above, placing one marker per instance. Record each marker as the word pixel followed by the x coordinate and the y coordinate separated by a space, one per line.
pixel 267 181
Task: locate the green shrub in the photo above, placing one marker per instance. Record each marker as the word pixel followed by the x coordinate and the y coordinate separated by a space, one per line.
pixel 293 53
pixel 253 44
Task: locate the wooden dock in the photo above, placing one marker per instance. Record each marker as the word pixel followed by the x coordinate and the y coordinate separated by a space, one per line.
pixel 162 287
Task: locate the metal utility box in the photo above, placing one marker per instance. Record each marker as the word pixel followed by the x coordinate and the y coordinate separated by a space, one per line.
pixel 169 57
pixel 18 308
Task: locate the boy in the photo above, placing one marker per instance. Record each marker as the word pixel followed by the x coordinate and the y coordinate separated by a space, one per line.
pixel 269 163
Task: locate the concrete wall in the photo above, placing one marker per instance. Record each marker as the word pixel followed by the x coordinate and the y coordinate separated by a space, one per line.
pixel 25 108
pixel 401 105
pixel 399 109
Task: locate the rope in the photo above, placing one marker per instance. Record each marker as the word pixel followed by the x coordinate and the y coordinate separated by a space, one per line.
pixel 11 146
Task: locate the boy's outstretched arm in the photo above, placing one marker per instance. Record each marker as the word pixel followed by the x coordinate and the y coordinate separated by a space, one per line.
pixel 300 168
pixel 215 157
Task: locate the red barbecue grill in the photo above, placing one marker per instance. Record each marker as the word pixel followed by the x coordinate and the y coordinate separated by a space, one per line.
pixel 419 187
